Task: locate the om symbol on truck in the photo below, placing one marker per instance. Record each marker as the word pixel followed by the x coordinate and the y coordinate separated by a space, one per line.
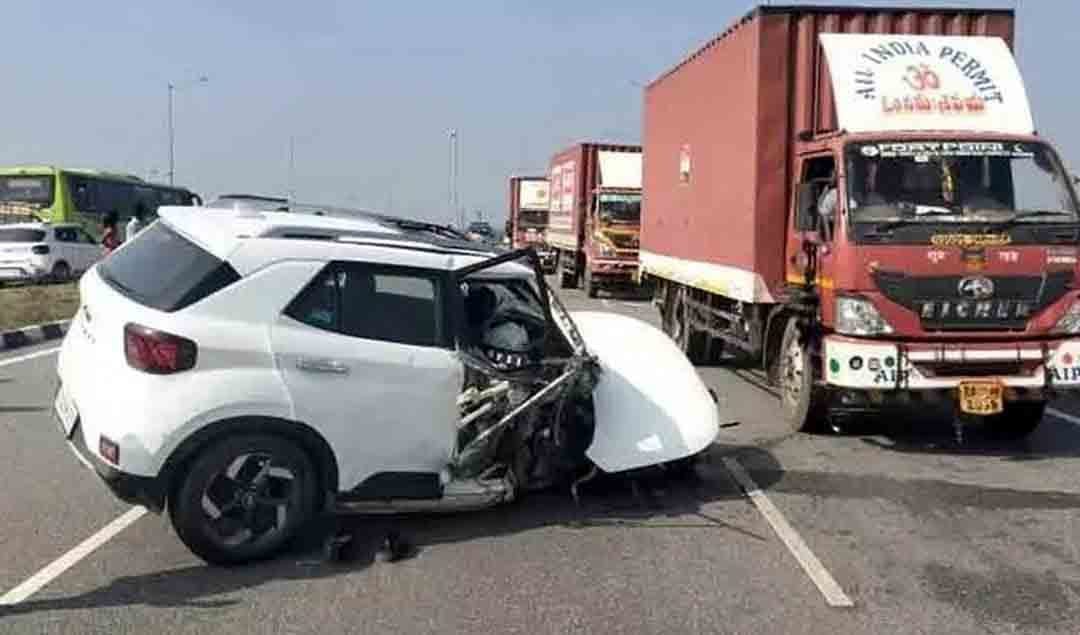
pixel 922 78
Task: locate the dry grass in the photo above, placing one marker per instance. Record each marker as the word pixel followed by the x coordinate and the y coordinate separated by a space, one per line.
pixel 37 304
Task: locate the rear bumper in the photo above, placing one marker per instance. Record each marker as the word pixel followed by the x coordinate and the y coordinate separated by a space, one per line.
pixel 130 488
pixel 19 272
pixel 854 363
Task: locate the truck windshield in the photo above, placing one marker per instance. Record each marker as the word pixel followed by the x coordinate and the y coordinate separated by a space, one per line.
pixel 533 218
pixel 27 189
pixel 620 208
pixel 957 182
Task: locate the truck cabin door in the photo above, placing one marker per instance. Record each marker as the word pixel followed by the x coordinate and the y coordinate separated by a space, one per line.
pixel 817 210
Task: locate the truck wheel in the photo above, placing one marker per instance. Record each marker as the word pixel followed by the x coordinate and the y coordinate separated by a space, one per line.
pixel 691 342
pixel 591 289
pixel 243 499
pixel 567 279
pixel 801 400
pixel 1017 421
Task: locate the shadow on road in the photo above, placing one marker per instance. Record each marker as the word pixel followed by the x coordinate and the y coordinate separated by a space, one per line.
pixel 20 409
pixel 933 433
pixel 652 502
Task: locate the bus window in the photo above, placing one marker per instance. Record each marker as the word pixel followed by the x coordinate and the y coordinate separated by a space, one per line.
pixel 27 189
pixel 82 195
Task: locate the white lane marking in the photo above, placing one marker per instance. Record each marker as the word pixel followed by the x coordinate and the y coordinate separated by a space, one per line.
pixel 22 358
pixel 1064 416
pixel 820 576
pixel 71 558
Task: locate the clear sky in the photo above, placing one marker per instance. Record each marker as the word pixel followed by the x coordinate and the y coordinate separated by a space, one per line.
pixel 370 89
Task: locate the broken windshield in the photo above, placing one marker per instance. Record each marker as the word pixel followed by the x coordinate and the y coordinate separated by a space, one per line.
pixel 957 182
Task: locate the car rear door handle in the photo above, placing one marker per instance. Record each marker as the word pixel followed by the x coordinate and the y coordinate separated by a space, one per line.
pixel 322 365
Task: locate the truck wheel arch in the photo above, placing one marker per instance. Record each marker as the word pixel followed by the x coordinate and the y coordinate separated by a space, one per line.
pixel 322 456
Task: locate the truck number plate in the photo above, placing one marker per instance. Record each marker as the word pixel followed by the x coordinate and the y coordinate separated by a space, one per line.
pixel 981 397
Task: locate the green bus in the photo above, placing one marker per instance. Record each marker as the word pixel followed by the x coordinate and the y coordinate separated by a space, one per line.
pixel 61 195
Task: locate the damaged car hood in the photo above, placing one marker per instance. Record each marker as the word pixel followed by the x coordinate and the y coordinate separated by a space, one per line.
pixel 650 405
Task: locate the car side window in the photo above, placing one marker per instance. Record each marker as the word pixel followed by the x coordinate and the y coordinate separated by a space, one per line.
pixel 65 235
pixel 388 304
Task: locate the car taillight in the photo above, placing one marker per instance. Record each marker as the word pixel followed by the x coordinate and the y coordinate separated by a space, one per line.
pixel 40 250
pixel 157 352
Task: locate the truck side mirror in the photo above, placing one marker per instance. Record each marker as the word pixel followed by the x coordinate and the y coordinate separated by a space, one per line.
pixel 806 208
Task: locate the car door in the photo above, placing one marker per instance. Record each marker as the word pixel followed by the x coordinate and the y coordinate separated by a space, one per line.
pixel 61 247
pixel 89 249
pixel 366 357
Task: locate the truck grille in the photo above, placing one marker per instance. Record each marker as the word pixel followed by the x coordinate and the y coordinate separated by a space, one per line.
pixel 941 306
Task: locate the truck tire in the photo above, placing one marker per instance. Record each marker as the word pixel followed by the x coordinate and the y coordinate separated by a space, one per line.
pixel 567 279
pixel 591 288
pixel 802 401
pixel 691 342
pixel 1017 422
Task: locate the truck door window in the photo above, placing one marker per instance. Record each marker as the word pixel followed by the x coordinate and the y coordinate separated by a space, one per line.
pixel 820 172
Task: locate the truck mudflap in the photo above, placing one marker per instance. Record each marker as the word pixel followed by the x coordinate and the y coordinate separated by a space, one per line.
pixel 874 365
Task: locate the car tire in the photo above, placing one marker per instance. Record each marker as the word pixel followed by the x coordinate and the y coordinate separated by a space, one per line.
pixel 61 272
pixel 801 400
pixel 1017 422
pixel 591 289
pixel 226 494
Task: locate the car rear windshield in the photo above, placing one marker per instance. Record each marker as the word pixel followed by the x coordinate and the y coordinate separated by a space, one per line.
pixel 164 270
pixel 21 235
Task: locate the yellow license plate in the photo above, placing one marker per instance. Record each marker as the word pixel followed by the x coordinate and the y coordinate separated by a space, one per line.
pixel 981 398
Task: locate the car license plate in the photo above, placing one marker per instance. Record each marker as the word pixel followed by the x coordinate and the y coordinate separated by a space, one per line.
pixel 982 397
pixel 65 410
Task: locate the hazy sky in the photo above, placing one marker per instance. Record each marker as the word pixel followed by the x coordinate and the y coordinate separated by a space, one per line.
pixel 370 89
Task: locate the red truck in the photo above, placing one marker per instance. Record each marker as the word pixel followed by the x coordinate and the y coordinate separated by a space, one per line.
pixel 527 221
pixel 594 218
pixel 857 198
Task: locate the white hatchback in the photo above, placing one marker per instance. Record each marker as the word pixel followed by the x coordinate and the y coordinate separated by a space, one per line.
pixel 35 252
pixel 248 370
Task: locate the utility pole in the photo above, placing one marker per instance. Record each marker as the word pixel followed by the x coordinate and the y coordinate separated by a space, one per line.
pixel 292 169
pixel 455 214
pixel 172 128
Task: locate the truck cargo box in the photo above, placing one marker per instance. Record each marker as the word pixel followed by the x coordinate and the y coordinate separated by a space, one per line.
pixel 720 131
pixel 574 175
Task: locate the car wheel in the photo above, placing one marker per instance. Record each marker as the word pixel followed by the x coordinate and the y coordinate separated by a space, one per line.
pixel 1017 422
pixel 799 396
pixel 243 499
pixel 61 272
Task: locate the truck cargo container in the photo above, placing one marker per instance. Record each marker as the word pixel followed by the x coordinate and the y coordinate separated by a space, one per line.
pixel 527 220
pixel 857 199
pixel 594 218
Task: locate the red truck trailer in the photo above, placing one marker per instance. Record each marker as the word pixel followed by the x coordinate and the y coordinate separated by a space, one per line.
pixel 857 198
pixel 527 220
pixel 594 219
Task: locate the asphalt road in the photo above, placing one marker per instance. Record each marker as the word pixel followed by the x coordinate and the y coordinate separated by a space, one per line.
pixel 920 535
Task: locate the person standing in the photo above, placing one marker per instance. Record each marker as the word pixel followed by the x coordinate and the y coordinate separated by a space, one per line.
pixel 137 222
pixel 110 240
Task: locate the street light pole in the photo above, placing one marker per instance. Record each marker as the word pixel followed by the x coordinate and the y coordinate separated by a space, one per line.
pixel 453 175
pixel 172 167
pixel 172 130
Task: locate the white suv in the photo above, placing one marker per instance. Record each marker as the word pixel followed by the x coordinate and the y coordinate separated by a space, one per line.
pixel 248 370
pixel 35 252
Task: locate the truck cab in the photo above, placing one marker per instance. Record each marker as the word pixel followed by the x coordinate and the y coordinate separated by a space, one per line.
pixel 936 238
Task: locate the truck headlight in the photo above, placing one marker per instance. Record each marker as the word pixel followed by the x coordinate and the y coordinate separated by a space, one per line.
pixel 858 316
pixel 605 250
pixel 1069 323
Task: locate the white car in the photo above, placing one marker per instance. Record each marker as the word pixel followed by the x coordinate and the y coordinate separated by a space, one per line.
pixel 35 252
pixel 247 370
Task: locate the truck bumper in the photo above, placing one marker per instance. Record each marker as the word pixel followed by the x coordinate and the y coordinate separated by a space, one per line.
pixel 612 271
pixel 1033 369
